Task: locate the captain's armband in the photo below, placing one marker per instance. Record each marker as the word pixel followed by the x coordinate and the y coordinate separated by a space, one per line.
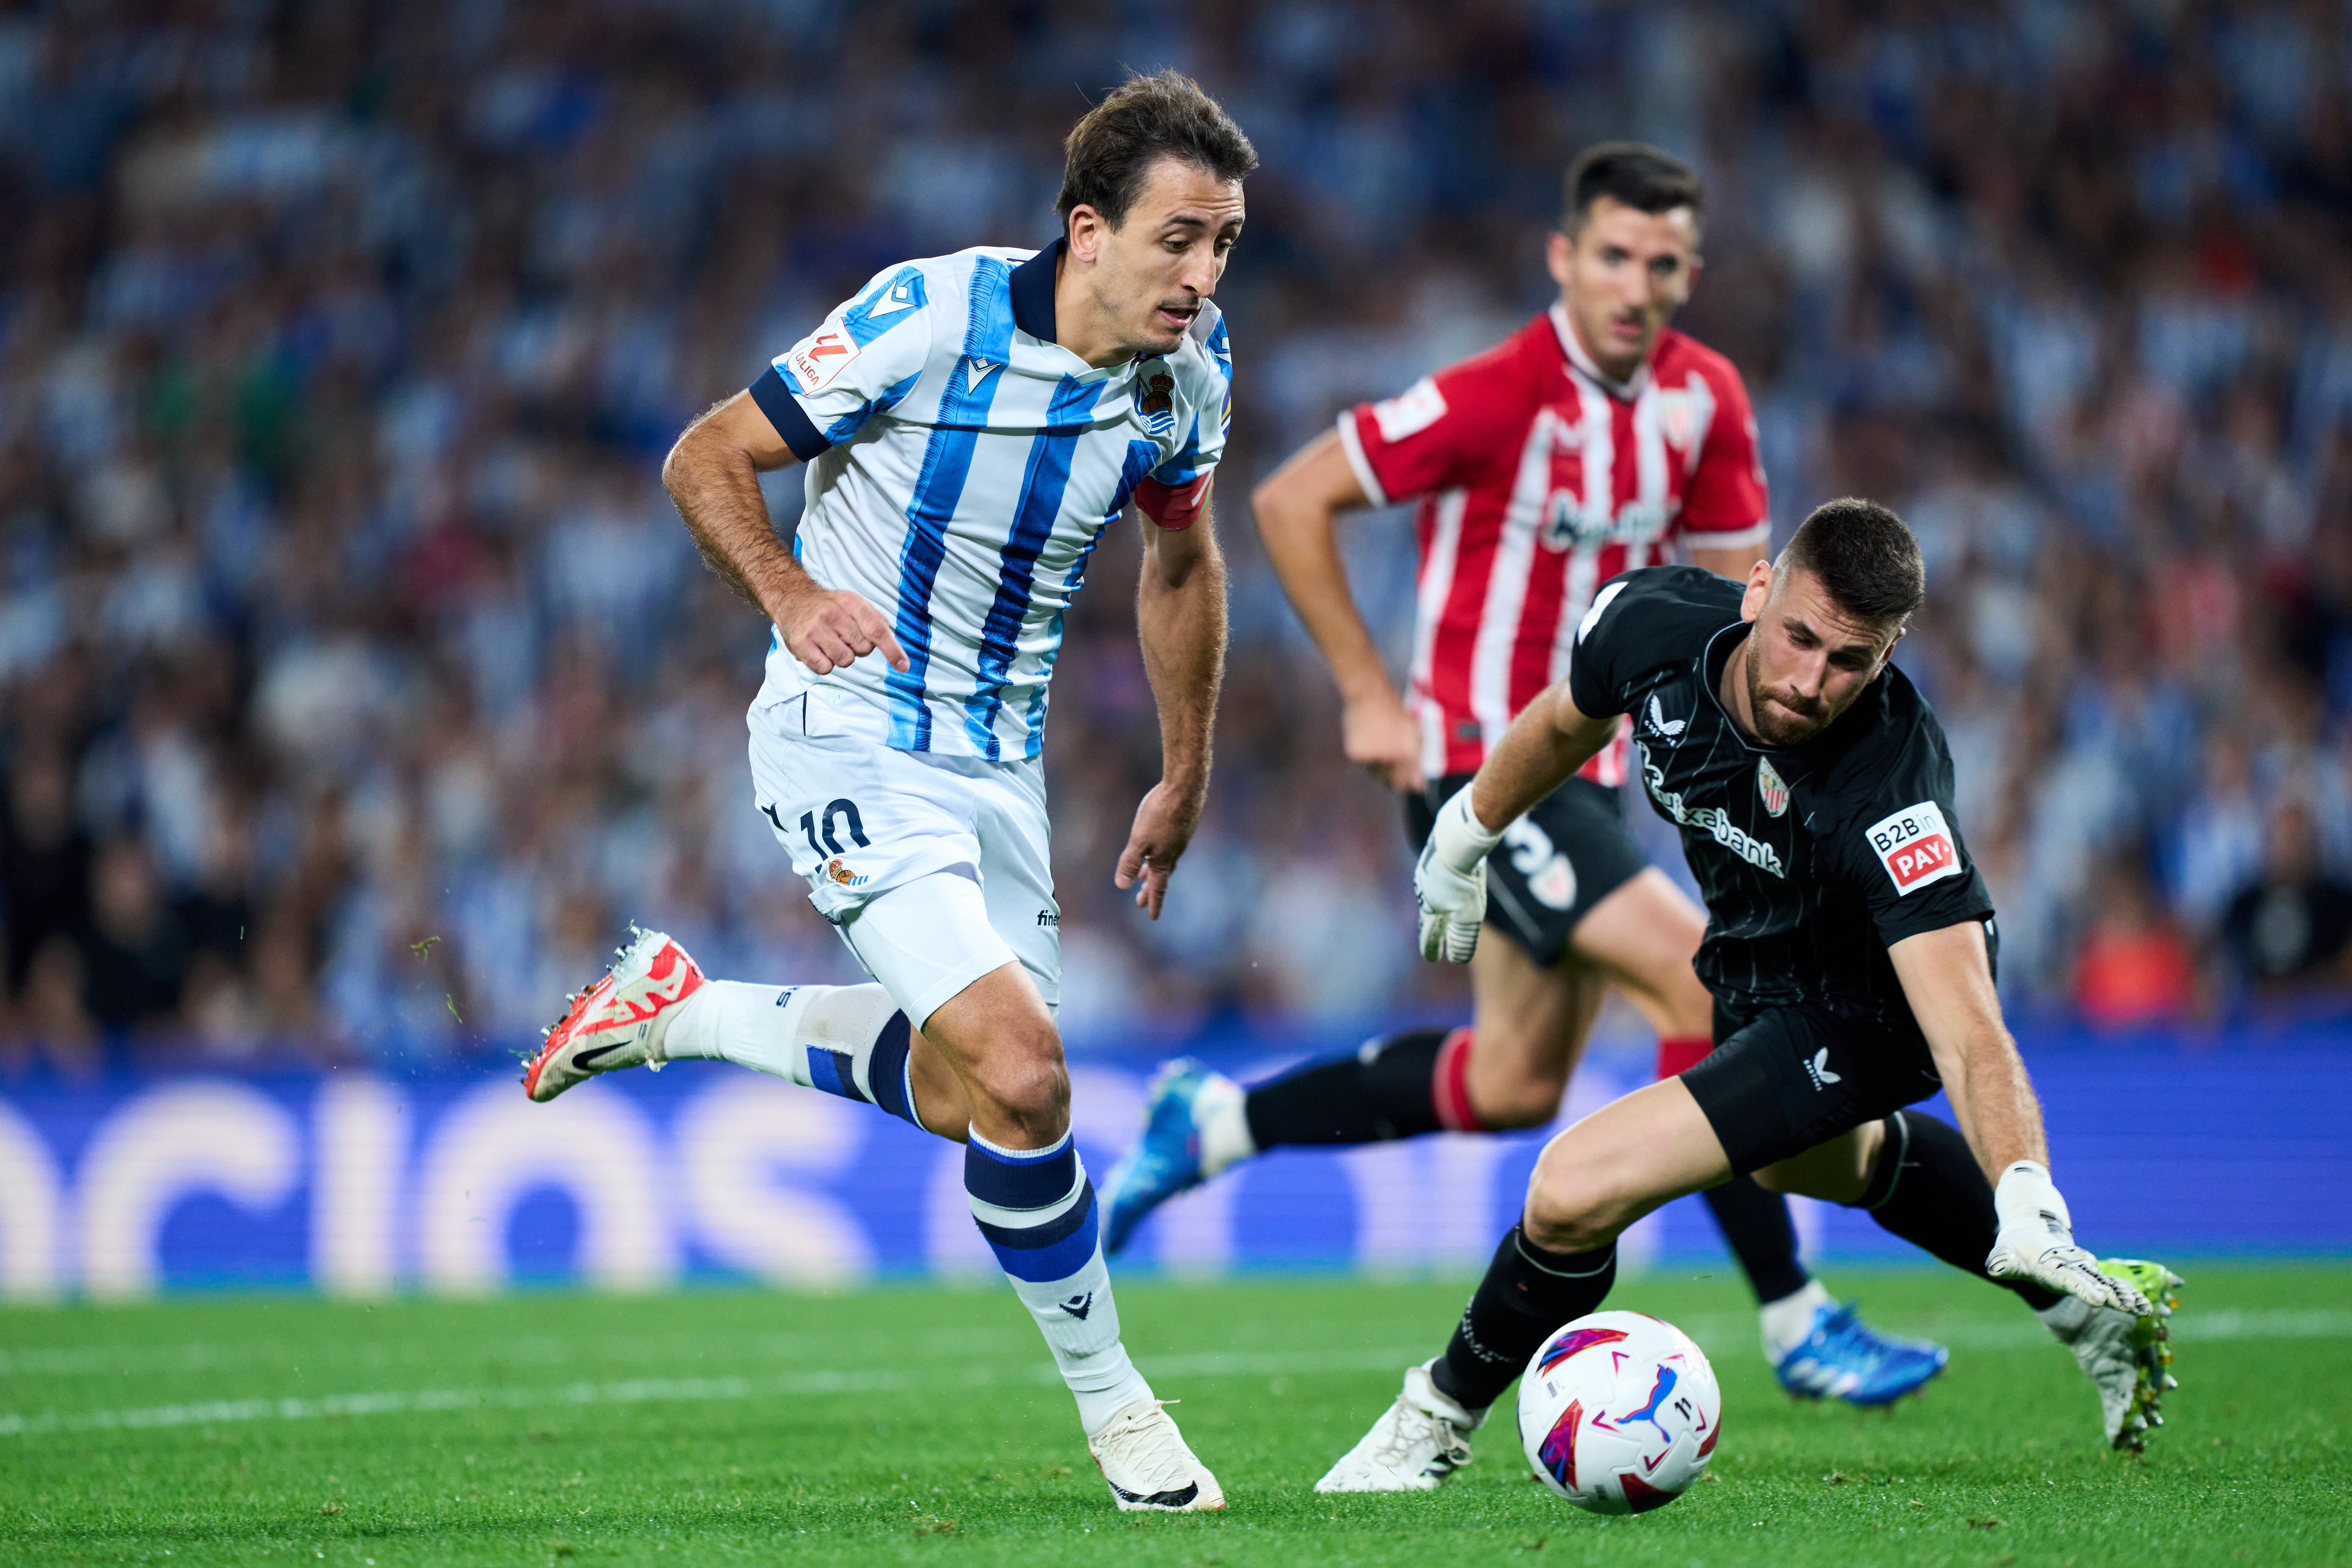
pixel 1172 506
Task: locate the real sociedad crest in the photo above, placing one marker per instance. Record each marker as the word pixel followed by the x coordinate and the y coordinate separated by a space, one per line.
pixel 1157 402
pixel 1769 784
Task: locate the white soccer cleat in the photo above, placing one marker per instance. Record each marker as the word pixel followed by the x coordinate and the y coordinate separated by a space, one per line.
pixel 1150 1470
pixel 2127 1356
pixel 619 1022
pixel 1416 1444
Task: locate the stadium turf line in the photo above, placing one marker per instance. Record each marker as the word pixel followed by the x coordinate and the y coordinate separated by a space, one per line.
pixel 916 1424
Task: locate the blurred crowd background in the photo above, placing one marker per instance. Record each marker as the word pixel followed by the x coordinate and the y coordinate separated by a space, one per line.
pixel 360 687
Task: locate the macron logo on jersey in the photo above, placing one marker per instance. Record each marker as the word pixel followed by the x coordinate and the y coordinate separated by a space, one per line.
pixel 1916 847
pixel 899 296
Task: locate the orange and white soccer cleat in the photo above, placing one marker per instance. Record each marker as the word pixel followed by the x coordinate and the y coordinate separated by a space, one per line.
pixel 618 1022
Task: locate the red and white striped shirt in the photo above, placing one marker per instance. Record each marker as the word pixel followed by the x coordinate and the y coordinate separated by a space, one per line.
pixel 1539 478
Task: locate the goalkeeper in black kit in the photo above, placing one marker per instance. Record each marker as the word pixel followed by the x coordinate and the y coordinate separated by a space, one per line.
pixel 1850 949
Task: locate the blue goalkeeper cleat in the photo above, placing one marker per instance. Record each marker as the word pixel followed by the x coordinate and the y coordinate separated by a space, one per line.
pixel 1846 1358
pixel 1166 1160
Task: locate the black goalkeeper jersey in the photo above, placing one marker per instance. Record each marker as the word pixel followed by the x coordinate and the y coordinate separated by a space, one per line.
pixel 1812 859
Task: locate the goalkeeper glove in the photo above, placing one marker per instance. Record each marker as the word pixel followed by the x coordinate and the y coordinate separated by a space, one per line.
pixel 1450 881
pixel 2036 1241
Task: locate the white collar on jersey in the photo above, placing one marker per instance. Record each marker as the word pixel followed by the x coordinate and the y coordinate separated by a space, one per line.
pixel 1625 391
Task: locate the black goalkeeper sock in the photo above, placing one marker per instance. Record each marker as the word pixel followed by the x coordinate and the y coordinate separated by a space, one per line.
pixel 1528 1292
pixel 1384 1090
pixel 1929 1190
pixel 1755 1223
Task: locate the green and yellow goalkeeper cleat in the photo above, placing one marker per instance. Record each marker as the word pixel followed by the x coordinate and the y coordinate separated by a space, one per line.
pixel 2127 1356
pixel 2151 1344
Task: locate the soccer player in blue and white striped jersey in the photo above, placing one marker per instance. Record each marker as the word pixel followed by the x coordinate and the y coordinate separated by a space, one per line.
pixel 971 424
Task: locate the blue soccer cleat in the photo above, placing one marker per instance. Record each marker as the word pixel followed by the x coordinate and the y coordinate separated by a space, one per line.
pixel 1166 1160
pixel 1844 1358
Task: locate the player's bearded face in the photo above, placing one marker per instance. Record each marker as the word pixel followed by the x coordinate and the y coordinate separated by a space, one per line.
pixel 1157 268
pixel 1807 660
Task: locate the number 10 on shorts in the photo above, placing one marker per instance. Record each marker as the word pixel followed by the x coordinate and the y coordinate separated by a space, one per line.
pixel 843 811
pixel 824 833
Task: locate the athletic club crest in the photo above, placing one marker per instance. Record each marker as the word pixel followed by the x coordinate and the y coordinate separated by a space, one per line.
pixel 1769 784
pixel 1677 419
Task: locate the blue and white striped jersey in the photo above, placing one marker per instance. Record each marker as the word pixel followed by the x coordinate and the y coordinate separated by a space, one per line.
pixel 962 465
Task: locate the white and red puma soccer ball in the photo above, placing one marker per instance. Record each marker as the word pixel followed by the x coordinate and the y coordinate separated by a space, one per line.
pixel 1619 1413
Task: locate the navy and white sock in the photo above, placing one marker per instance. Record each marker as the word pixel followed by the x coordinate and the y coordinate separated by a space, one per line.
pixel 849 1040
pixel 1036 1209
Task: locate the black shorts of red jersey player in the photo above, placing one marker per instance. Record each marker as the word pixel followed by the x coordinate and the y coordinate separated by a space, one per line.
pixel 1554 864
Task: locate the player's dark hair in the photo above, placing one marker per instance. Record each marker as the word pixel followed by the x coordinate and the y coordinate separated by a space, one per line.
pixel 1865 557
pixel 1165 115
pixel 1643 177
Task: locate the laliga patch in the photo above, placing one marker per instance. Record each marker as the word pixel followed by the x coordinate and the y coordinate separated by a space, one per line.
pixel 1410 412
pixel 818 360
pixel 1916 847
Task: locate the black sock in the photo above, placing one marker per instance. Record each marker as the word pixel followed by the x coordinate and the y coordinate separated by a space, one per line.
pixel 1755 1223
pixel 1380 1092
pixel 1929 1190
pixel 1528 1292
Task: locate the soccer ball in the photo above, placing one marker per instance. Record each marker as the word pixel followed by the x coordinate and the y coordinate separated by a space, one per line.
pixel 1619 1413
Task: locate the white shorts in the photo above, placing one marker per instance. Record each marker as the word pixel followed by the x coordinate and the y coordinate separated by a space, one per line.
pixel 964 839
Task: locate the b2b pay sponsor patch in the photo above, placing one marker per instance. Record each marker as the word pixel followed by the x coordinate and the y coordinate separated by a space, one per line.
pixel 1916 847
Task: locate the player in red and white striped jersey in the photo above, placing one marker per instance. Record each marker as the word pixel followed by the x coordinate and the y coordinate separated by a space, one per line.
pixel 1540 475
pixel 1594 440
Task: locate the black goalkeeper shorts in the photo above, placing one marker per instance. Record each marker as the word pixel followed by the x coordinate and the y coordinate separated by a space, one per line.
pixel 1553 865
pixel 1784 1079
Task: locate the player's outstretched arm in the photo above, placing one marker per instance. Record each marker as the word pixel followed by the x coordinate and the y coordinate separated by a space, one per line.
pixel 1180 618
pixel 713 476
pixel 1543 748
pixel 1946 976
pixel 1297 507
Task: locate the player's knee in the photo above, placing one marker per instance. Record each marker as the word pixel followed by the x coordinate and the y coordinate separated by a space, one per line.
pixel 1569 1221
pixel 1572 1206
pixel 1507 1078
pixel 1025 1082
pixel 1526 1100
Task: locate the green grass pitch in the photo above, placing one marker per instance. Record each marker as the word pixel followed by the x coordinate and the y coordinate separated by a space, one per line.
pixel 924 1426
